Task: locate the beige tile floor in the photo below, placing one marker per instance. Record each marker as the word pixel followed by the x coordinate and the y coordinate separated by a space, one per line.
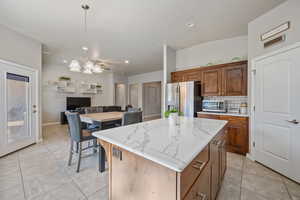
pixel 40 172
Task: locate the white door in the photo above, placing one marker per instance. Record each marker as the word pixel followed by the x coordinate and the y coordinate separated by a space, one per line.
pixel 277 113
pixel 152 99
pixel 134 95
pixel 17 107
pixel 120 95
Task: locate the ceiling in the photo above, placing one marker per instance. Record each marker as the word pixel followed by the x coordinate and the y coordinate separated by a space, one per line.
pixel 132 30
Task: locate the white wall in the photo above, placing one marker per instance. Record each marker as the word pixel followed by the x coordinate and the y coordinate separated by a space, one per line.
pixel 144 78
pixel 23 50
pixel 212 52
pixel 169 66
pixel 288 11
pixel 55 102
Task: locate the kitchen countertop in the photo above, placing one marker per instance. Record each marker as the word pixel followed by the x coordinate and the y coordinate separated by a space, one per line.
pixel 162 142
pixel 228 114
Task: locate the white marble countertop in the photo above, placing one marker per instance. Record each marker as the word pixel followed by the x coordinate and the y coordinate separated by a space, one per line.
pixel 228 114
pixel 163 142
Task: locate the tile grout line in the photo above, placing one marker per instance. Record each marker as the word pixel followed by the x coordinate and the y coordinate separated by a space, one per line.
pixel 77 186
pixel 286 187
pixel 244 160
pixel 69 176
pixel 22 179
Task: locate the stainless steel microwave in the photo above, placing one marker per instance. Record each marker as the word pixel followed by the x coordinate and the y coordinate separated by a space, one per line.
pixel 219 106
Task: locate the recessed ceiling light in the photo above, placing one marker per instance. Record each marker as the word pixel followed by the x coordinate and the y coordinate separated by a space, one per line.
pixel 84 48
pixel 190 24
pixel 126 61
pixel 65 61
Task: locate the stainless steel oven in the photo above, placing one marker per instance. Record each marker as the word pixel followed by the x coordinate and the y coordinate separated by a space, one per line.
pixel 214 106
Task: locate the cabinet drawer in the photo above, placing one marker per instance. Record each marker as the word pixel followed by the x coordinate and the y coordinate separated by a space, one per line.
pixel 233 120
pixel 201 189
pixel 193 170
pixel 208 116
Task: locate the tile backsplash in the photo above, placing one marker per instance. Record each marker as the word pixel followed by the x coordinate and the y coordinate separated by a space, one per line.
pixel 234 102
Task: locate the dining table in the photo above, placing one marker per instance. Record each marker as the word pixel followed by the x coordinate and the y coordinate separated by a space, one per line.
pixel 101 118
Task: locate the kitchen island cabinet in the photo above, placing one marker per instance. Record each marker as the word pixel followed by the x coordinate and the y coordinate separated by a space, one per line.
pixel 159 160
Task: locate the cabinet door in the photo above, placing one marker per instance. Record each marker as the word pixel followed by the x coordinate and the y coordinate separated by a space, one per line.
pixel 212 82
pixel 223 155
pixel 237 135
pixel 237 139
pixel 201 188
pixel 235 81
pixel 192 76
pixel 177 77
pixel 215 169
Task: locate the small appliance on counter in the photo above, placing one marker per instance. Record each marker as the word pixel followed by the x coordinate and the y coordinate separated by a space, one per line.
pixel 243 108
pixel 218 106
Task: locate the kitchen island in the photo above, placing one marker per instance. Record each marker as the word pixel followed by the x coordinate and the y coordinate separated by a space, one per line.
pixel 166 159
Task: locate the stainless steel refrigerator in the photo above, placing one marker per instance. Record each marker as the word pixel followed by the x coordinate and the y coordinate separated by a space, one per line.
pixel 185 97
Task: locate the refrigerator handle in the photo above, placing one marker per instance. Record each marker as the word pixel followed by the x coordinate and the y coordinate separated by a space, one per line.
pixel 179 95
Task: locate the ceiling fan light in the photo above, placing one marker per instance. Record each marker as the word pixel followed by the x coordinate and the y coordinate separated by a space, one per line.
pixel 89 65
pixel 75 66
pixel 98 69
pixel 87 71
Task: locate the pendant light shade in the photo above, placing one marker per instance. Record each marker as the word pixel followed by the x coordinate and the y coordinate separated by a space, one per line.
pixel 97 69
pixel 75 66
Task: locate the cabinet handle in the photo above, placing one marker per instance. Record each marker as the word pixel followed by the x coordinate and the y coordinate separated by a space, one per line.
pixel 198 167
pixel 219 143
pixel 224 144
pixel 201 196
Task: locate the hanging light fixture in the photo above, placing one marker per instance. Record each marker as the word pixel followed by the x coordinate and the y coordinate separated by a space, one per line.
pixel 97 69
pixel 75 66
pixel 88 67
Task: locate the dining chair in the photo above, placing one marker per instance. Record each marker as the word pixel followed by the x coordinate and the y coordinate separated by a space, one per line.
pixel 79 135
pixel 133 109
pixel 132 118
pixel 127 107
pixel 93 109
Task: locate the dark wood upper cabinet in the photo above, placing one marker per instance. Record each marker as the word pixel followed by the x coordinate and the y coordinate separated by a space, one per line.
pixel 212 82
pixel 220 80
pixel 187 75
pixel 192 76
pixel 235 81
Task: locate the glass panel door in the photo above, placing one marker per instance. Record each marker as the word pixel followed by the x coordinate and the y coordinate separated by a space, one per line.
pixel 17 94
pixel 18 100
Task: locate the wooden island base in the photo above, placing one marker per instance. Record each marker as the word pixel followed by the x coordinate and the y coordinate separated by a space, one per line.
pixel 132 177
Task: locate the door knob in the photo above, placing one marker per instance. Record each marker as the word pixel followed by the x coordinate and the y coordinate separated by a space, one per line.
pixel 293 121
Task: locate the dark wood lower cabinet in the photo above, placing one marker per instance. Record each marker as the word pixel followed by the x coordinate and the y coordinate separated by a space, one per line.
pixel 218 163
pixel 238 136
pixel 238 132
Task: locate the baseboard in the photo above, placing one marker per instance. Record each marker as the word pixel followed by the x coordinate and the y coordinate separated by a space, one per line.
pixel 250 156
pixel 51 123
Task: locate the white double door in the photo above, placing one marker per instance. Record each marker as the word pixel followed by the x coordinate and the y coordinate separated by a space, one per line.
pixel 18 107
pixel 277 114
